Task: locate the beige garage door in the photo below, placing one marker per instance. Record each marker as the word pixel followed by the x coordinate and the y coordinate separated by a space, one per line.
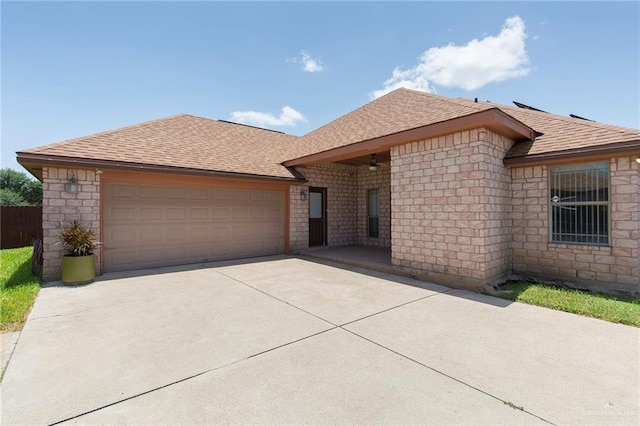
pixel 148 226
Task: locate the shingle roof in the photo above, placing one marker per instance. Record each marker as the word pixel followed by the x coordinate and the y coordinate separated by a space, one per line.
pixel 184 141
pixel 394 112
pixel 405 109
pixel 560 133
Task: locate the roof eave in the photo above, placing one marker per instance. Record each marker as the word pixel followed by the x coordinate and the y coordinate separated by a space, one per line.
pixel 493 119
pixel 592 153
pixel 32 161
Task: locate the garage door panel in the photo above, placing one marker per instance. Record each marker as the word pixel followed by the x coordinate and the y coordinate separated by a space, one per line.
pixel 199 213
pixel 239 195
pixel 274 213
pixel 239 231
pixel 239 213
pixel 173 192
pixel 199 234
pixel 199 193
pixel 149 214
pixel 221 213
pixel 121 191
pixel 273 231
pixel 150 234
pixel 122 236
pixel 119 258
pixel 148 191
pixel 220 194
pixel 149 226
pixel 176 213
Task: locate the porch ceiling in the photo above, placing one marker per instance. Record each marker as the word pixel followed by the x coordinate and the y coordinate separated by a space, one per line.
pixel 381 157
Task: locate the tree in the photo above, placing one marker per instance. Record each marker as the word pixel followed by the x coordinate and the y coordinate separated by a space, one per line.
pixel 17 187
pixel 11 198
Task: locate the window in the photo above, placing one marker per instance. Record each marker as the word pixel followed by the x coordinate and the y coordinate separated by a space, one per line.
pixel 373 207
pixel 579 197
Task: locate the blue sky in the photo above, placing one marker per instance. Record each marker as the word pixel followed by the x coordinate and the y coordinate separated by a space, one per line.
pixel 74 68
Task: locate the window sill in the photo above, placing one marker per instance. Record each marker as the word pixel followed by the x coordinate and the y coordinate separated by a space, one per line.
pixel 578 247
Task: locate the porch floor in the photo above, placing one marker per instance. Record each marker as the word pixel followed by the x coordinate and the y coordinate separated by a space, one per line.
pixel 375 258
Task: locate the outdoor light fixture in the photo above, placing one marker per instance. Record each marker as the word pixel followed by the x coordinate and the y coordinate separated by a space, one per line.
pixel 638 160
pixel 72 185
pixel 303 195
pixel 373 164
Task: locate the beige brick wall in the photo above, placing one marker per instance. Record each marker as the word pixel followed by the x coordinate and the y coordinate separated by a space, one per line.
pixel 298 219
pixel 614 268
pixel 60 207
pixel 450 208
pixel 379 179
pixel 341 183
pixel 346 204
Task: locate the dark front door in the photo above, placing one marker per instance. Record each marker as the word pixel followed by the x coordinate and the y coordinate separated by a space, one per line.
pixel 317 216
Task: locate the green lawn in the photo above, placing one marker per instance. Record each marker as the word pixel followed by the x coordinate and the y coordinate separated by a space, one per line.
pixel 621 309
pixel 18 288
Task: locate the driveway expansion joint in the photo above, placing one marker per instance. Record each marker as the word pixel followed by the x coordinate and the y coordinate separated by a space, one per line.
pixel 395 307
pixel 277 298
pixel 193 376
pixel 336 326
pixel 509 403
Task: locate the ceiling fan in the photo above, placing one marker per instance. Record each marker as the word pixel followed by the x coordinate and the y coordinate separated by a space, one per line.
pixel 373 164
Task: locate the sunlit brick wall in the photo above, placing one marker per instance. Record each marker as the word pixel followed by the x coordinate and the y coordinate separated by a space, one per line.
pixel 450 208
pixel 59 208
pixel 612 268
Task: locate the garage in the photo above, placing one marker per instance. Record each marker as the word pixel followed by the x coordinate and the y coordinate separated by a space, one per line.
pixel 146 225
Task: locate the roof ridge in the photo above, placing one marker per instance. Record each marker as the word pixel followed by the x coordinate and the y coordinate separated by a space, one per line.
pixel 106 132
pixel 455 101
pixel 568 119
pixel 583 122
pixel 252 127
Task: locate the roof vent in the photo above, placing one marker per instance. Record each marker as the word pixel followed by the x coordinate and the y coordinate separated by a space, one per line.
pixel 580 118
pixel 525 106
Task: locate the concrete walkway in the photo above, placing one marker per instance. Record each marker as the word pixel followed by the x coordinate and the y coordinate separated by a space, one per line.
pixel 8 342
pixel 288 341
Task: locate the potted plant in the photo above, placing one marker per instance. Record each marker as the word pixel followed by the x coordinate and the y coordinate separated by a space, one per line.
pixel 79 264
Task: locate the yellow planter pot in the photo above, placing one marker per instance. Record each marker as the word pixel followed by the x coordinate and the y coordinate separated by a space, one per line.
pixel 78 269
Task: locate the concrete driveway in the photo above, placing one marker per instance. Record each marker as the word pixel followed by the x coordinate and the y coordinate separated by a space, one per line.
pixel 284 340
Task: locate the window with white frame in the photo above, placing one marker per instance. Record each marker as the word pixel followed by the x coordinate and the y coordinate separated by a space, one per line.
pixel 579 198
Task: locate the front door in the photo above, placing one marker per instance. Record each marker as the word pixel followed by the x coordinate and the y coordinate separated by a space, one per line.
pixel 317 216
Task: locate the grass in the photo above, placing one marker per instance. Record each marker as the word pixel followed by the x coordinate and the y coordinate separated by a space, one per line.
pixel 18 288
pixel 612 308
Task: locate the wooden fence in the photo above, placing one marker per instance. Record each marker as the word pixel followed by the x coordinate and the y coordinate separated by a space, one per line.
pixel 19 226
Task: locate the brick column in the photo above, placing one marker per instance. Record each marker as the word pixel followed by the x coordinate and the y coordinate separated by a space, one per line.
pixel 59 208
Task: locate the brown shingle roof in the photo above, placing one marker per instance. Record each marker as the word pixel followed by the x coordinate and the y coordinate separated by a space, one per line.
pixel 184 141
pixel 188 142
pixel 405 109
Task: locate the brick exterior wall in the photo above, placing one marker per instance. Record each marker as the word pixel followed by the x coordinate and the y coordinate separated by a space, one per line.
pixel 346 205
pixel 381 180
pixel 340 181
pixel 450 209
pixel 59 208
pixel 615 268
pixel 450 202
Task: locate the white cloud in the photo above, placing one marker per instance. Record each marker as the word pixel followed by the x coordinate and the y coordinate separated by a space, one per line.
pixel 288 117
pixel 471 66
pixel 309 64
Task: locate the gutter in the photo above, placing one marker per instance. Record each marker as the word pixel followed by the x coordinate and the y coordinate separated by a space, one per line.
pixel 28 160
pixel 593 153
